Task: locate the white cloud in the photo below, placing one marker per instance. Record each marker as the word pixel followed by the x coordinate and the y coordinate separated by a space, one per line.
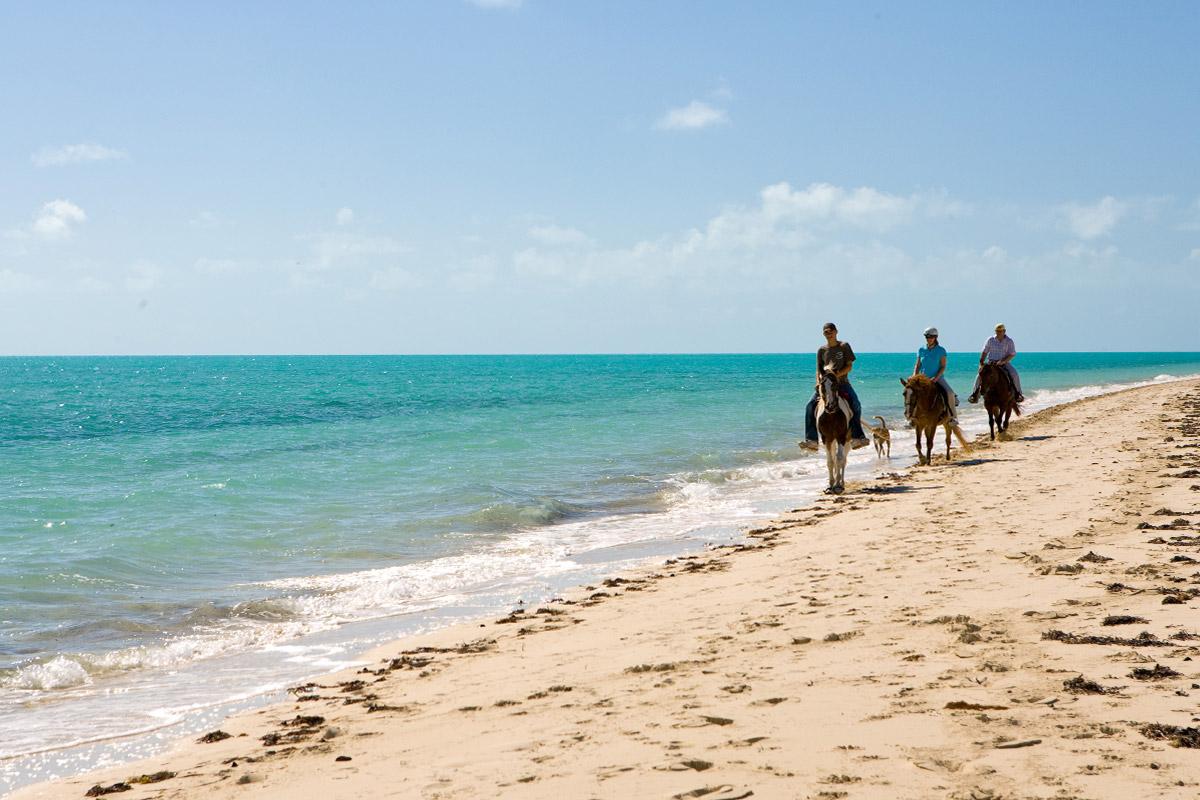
pixel 89 284
pixel 1095 220
pixel 57 220
pixel 344 216
pixel 1191 221
pixel 478 273
pixel 217 266
pixel 553 235
pixel 74 154
pixel 1195 255
pixel 205 219
pixel 12 282
pixel 142 278
pixel 995 254
pixel 332 249
pixel 508 5
pixel 694 116
pixel 722 92
pixel 786 231
pixel 395 279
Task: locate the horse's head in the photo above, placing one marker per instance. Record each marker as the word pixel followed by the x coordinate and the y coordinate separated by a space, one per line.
pixel 917 390
pixel 827 390
pixel 990 375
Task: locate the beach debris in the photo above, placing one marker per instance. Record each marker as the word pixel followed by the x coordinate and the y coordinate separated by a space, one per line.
pixel 373 707
pixel 1177 736
pixel 408 662
pixel 213 736
pixel 801 639
pixel 99 790
pixel 716 720
pixel 153 777
pixel 1094 558
pixel 637 668
pixel 725 791
pixel 1015 745
pixel 841 637
pixel 1158 673
pixel 1143 639
pixel 963 705
pixel 841 779
pixel 1123 619
pixel 343 758
pixel 300 721
pixel 1061 569
pixel 1082 685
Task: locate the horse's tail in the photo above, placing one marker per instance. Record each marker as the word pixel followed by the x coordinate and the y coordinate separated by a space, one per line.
pixel 1016 407
pixel 958 434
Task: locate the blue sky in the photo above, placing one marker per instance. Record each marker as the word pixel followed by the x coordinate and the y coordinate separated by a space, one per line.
pixel 537 176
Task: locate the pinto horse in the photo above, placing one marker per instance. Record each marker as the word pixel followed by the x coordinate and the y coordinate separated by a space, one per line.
pixel 833 423
pixel 999 397
pixel 926 407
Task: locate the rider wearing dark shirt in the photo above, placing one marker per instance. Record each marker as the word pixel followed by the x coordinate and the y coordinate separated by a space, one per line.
pixel 836 358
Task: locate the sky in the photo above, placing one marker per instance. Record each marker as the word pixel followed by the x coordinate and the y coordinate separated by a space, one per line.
pixel 538 176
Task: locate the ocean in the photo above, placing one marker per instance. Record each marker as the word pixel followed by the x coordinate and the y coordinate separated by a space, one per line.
pixel 185 536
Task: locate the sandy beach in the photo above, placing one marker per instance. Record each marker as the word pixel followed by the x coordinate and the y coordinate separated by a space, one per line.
pixel 1016 623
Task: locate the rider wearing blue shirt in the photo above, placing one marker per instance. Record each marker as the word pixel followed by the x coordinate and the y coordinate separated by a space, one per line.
pixel 931 362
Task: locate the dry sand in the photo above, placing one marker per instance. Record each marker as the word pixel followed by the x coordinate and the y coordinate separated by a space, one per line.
pixel 897 642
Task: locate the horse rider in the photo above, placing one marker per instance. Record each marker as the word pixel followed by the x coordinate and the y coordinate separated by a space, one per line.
pixel 931 362
pixel 835 358
pixel 999 349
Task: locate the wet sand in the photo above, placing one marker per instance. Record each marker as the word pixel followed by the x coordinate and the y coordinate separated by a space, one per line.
pixel 1017 623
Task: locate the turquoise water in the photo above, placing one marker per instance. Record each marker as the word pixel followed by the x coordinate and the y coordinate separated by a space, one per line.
pixel 162 513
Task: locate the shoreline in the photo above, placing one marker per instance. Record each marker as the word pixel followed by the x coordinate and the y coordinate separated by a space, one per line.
pixel 461 652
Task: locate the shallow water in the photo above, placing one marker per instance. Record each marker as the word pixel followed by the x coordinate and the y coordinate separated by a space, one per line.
pixel 258 520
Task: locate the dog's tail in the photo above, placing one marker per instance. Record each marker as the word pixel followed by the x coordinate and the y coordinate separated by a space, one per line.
pixel 962 440
pixel 882 422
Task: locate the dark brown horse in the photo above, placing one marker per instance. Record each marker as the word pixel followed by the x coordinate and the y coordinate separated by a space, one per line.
pixel 925 406
pixel 999 397
pixel 833 423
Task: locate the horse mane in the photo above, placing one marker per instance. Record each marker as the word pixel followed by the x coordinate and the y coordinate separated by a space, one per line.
pixel 920 378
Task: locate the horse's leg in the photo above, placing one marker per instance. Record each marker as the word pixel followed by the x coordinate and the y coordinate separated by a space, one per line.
pixel 947 441
pixel 829 464
pixel 991 423
pixel 843 452
pixel 929 443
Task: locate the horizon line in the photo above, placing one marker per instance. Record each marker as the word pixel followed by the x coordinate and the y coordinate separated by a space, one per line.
pixel 563 353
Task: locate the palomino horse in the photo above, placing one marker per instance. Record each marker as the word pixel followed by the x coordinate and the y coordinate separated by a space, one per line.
pixel 833 423
pixel 926 408
pixel 999 397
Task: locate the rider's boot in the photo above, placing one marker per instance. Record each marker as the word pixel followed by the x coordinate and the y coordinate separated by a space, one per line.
pixel 808 444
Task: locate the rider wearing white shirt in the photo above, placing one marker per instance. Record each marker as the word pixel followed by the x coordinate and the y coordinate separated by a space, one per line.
pixel 998 349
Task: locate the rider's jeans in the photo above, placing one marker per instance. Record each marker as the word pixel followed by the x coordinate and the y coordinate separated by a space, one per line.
pixel 810 415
